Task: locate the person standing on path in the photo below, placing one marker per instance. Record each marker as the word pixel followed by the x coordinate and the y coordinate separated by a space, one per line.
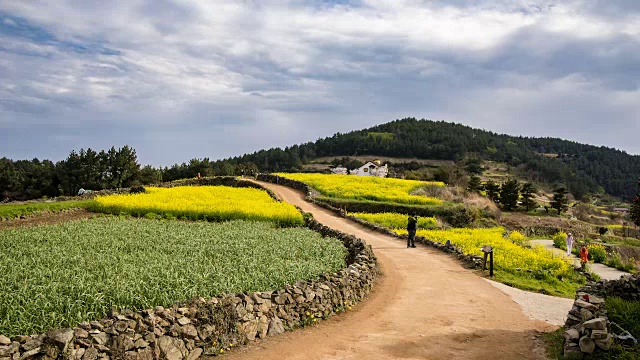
pixel 412 225
pixel 584 256
pixel 569 244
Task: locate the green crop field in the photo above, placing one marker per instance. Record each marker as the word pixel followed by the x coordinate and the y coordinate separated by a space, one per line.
pixel 396 221
pixel 59 275
pixel 9 211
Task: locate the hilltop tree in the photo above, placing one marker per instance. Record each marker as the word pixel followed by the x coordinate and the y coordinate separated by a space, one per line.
pixel 527 193
pixel 634 212
pixel 475 184
pixel 493 190
pixel 509 194
pixel 474 166
pixel 560 201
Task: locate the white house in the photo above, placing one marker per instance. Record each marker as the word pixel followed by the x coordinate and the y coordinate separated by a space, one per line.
pixel 371 169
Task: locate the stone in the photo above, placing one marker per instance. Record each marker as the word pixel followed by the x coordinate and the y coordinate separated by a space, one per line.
pixel 572 334
pixel 122 344
pixel 100 338
pixel 10 349
pixel 96 325
pixel 31 344
pixel 145 354
pixel 31 353
pixel 606 343
pixel 189 332
pixel 206 331
pixel 85 326
pixel 586 315
pixel 4 341
pixel 250 329
pixel 263 327
pixel 141 344
pixel 595 300
pixel 79 353
pixel 195 354
pixel 275 327
pixel 80 333
pixel 171 349
pixel 585 305
pixel 60 338
pixel 599 334
pixel 587 345
pixel 596 324
pixel 184 321
pixel 121 326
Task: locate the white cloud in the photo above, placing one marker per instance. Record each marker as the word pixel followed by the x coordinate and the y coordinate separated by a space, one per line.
pixel 291 64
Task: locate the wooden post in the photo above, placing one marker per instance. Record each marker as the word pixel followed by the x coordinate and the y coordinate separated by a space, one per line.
pixel 488 252
pixel 491 263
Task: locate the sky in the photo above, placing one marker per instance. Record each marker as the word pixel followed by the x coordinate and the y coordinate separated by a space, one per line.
pixel 187 79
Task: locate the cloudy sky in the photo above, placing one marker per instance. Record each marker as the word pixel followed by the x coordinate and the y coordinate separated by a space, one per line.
pixel 178 79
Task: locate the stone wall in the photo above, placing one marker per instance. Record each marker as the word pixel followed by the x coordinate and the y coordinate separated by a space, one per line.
pixel 588 329
pixel 208 326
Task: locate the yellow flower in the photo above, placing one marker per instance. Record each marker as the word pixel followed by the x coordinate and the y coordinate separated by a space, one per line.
pixel 230 345
pixel 315 320
pixel 312 316
pixel 308 313
pixel 221 351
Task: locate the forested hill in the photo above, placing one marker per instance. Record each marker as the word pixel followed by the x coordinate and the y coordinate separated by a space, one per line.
pixel 582 168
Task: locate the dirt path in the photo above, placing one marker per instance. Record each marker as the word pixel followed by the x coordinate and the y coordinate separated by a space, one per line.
pixel 425 306
pixel 605 272
pixel 45 218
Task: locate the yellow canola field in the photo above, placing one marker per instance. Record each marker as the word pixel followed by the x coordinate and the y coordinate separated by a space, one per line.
pixel 367 188
pixel 213 203
pixel 507 255
pixel 396 221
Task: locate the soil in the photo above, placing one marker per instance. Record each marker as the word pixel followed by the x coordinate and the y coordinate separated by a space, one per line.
pixel 45 218
pixel 424 306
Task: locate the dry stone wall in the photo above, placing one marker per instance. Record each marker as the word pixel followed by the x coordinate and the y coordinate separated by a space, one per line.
pixel 588 329
pixel 207 326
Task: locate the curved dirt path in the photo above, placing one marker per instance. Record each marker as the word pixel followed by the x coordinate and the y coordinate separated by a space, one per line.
pixel 424 306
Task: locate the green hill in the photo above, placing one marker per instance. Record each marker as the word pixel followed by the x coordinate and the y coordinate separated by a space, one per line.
pixel 581 168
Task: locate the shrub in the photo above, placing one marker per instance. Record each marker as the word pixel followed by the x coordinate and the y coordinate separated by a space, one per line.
pixel 597 253
pixel 137 190
pixel 517 238
pixel 560 240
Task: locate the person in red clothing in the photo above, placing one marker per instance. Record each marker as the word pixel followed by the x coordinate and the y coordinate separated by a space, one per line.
pixel 584 256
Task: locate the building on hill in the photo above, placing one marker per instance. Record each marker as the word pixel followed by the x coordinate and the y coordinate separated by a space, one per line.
pixel 371 169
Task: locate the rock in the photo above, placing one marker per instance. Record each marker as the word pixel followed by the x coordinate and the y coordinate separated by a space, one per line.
pixel 85 326
pixel 141 344
pixel 184 321
pixel 60 338
pixel 585 305
pixel 606 343
pixel 250 329
pixel 189 332
pixel 586 315
pixel 596 324
pixel 122 344
pixel 595 300
pixel 263 327
pixel 80 333
pixel 31 344
pixel 78 353
pixel 275 327
pixel 171 349
pixel 195 354
pixel 90 354
pixel 100 338
pixel 4 341
pixel 599 334
pixel 10 349
pixel 206 331
pixel 96 325
pixel 31 353
pixel 145 354
pixel 587 345
pixel 572 334
pixel 121 326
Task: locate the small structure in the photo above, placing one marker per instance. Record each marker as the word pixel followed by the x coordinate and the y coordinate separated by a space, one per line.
pixel 621 210
pixel 371 169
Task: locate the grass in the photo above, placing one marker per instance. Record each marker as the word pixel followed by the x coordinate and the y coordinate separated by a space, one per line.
pixel 213 203
pixel 59 275
pixel 10 211
pixel 624 313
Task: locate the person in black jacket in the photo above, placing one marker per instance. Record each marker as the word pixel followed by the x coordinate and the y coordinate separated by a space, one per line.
pixel 412 223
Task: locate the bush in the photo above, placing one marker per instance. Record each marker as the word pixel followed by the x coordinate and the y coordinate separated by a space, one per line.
pixel 560 240
pixel 597 253
pixel 517 238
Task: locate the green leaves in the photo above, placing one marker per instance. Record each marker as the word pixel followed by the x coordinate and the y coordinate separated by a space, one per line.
pixel 57 276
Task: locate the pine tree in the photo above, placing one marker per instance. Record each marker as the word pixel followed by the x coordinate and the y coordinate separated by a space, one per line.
pixel 560 201
pixel 528 192
pixel 475 184
pixel 493 190
pixel 509 194
pixel 634 212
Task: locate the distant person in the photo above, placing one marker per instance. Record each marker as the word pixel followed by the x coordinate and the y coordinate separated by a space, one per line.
pixel 584 256
pixel 569 243
pixel 412 225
